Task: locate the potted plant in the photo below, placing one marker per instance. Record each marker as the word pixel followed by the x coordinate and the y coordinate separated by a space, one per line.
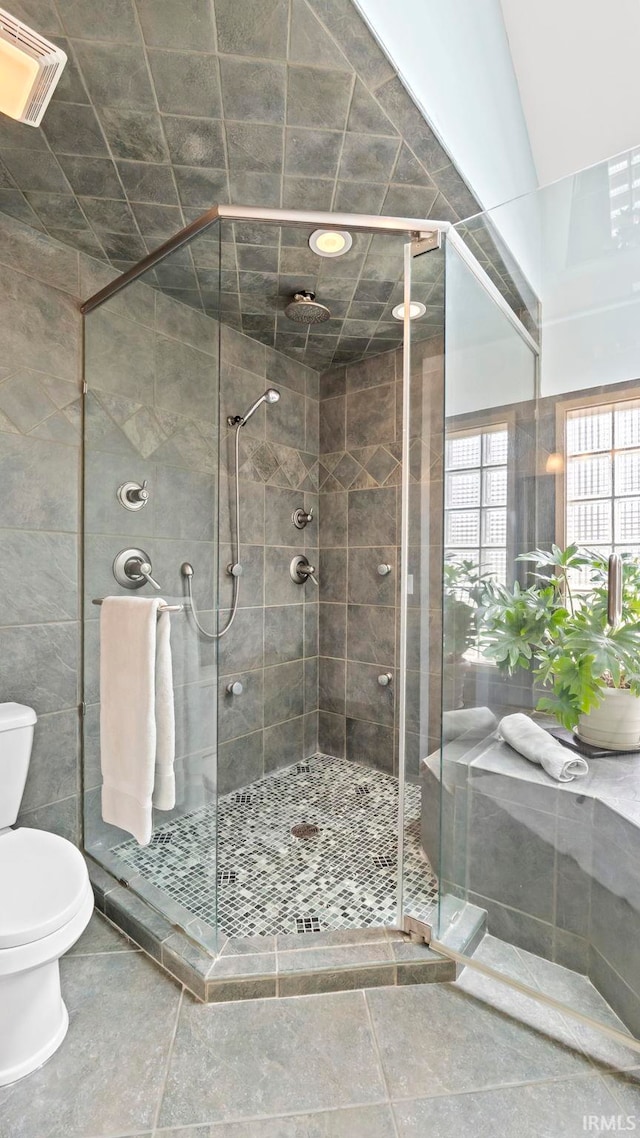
pixel 589 670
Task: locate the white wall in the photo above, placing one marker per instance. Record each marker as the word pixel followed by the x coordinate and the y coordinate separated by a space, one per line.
pixel 454 57
pixel 576 63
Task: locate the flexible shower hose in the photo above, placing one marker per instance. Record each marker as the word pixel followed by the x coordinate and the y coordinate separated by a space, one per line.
pixel 236 576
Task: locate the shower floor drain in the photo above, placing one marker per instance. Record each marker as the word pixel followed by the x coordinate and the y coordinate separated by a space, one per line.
pixel 305 830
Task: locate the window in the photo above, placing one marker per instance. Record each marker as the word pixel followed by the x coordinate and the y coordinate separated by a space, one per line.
pixel 475 522
pixel 602 482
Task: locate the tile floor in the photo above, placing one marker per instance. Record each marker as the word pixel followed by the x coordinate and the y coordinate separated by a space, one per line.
pixel 443 1060
pixel 268 880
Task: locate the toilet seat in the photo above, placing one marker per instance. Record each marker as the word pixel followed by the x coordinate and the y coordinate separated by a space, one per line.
pixel 43 885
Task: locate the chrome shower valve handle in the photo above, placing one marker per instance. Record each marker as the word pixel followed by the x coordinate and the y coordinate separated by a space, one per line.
pixel 300 570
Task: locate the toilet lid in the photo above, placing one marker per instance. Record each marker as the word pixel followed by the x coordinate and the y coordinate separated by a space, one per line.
pixel 43 880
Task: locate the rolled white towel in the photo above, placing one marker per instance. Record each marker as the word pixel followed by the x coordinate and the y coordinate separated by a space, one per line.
pixel 532 741
pixel 480 720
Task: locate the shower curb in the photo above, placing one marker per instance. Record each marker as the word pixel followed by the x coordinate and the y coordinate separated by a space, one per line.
pixel 249 968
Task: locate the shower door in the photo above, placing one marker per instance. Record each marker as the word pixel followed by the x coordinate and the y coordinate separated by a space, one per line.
pixel 151 420
pixel 541 457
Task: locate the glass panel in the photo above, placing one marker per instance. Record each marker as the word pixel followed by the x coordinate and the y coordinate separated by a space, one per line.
pixel 151 415
pixel 548 856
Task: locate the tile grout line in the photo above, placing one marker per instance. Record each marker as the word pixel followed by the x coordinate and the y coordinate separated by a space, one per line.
pixel 381 1070
pixel 172 1039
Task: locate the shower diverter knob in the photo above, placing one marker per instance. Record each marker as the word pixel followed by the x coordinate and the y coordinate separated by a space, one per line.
pixel 235 688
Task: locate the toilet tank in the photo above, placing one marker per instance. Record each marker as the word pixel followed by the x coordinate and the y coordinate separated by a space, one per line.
pixel 16 737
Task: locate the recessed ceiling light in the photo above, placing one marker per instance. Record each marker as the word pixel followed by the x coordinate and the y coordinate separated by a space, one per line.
pixel 330 242
pixel 416 309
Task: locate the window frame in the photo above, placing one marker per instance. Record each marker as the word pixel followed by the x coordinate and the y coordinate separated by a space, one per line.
pixel 601 398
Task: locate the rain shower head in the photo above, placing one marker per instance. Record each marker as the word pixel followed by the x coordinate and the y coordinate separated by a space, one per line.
pixel 268 396
pixel 305 309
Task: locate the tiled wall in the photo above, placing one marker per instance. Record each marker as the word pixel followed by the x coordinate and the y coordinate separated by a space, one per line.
pixel 39 510
pixel 272 647
pixel 360 496
pixel 138 345
pixel 151 367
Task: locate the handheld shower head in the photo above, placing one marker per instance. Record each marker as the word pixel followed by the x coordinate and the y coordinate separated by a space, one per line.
pixel 268 396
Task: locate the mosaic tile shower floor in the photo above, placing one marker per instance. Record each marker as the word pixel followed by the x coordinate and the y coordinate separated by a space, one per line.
pixel 269 881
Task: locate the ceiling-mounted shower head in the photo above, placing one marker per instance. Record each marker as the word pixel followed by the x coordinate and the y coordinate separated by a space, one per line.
pixel 305 309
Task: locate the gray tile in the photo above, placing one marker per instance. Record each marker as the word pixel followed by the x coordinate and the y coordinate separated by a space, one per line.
pixel 332 630
pixel 254 148
pixel 309 41
pixel 94 177
pixel 369 743
pixel 134 134
pixel 354 1122
pixel 366 115
pixel 356 41
pixel 116 74
pixel 174 360
pixel 331 685
pixel 53 770
pixel 145 182
pixel 244 651
pixel 331 734
pixel 553 1108
pixel 194 141
pixel 40 666
pixel 32 170
pixel 371 418
pixel 73 129
pixel 253 90
pixel 120 356
pixel 51 472
pixel 368 158
pixel 101 936
pixel 453 1057
pixel 283 744
pixel 283 692
pixel 240 761
pixel 239 33
pixel 189 27
pixel 240 714
pixel 333 575
pixel 57 818
pixel 371 632
pixel 318 98
pixel 304 1075
pixel 307 151
pixel 73 1093
pixel 186 83
pixel 109 216
pixel 366 698
pixel 84 20
pixel 283 634
pixel 57 211
pixel 372 517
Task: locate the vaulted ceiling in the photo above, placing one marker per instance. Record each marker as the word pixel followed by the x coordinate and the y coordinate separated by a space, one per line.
pixel 169 106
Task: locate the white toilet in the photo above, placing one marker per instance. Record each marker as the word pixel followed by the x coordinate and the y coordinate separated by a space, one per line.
pixel 45 903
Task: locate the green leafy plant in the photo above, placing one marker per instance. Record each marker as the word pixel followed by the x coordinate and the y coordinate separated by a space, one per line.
pixel 564 635
pixel 464 588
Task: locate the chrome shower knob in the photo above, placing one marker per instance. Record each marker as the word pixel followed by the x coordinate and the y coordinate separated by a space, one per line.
pixel 133 495
pixel 132 569
pixel 384 570
pixel 234 688
pixel 301 518
pixel 385 679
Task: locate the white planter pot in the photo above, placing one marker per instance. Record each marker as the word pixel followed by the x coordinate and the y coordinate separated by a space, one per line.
pixel 615 724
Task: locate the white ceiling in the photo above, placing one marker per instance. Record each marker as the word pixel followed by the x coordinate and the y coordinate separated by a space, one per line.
pixel 576 64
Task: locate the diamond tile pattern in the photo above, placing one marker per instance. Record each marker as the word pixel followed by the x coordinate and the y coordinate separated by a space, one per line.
pixel 167 107
pixel 271 882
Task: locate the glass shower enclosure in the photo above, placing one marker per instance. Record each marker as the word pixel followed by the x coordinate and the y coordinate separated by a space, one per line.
pixel 345 451
pixel 246 442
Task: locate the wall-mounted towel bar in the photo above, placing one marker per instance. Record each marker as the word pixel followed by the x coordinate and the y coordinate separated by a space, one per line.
pixel 161 608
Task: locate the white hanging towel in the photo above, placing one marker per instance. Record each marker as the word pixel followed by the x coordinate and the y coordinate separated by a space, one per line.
pixel 137 717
